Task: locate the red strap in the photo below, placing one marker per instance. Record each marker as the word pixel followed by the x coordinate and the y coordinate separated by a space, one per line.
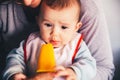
pixel 77 47
pixel 25 53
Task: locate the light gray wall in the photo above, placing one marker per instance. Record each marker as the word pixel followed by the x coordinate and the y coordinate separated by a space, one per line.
pixel 112 14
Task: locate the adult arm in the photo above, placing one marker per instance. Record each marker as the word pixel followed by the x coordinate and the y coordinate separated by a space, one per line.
pixel 96 36
pixel 14 27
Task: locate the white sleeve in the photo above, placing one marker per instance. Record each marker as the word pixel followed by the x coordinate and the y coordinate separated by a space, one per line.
pixel 15 62
pixel 84 64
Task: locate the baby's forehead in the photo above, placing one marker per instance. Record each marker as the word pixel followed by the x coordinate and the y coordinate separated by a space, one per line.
pixel 67 15
pixel 74 8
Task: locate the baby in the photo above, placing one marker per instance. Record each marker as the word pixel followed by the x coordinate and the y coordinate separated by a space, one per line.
pixel 58 22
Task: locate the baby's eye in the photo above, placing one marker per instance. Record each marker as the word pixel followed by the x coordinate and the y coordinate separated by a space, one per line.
pixel 48 25
pixel 64 27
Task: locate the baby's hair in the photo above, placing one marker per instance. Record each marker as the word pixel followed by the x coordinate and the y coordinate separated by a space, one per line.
pixel 60 4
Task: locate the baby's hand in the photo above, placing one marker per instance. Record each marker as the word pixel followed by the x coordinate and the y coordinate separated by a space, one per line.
pixel 42 76
pixel 18 76
pixel 67 73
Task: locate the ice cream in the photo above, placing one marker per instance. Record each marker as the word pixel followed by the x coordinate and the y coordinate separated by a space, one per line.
pixel 46 59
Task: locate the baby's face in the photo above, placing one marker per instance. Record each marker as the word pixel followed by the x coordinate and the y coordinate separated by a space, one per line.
pixel 58 26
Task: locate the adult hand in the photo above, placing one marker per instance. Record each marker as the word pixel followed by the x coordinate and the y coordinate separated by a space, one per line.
pixel 32 3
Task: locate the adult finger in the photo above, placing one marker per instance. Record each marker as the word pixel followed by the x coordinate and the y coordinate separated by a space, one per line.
pixel 32 3
pixel 27 2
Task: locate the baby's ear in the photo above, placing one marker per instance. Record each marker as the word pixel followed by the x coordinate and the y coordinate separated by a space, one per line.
pixel 79 24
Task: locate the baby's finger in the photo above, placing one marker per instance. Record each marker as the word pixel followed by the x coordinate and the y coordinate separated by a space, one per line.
pixel 70 78
pixel 60 68
pixel 61 74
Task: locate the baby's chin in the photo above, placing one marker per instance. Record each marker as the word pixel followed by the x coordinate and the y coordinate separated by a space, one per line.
pixel 58 46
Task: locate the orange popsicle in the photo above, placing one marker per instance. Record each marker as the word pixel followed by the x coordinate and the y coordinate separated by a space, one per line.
pixel 46 60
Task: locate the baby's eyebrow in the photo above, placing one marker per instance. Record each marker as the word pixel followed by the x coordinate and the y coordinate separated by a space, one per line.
pixel 66 24
pixel 44 19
